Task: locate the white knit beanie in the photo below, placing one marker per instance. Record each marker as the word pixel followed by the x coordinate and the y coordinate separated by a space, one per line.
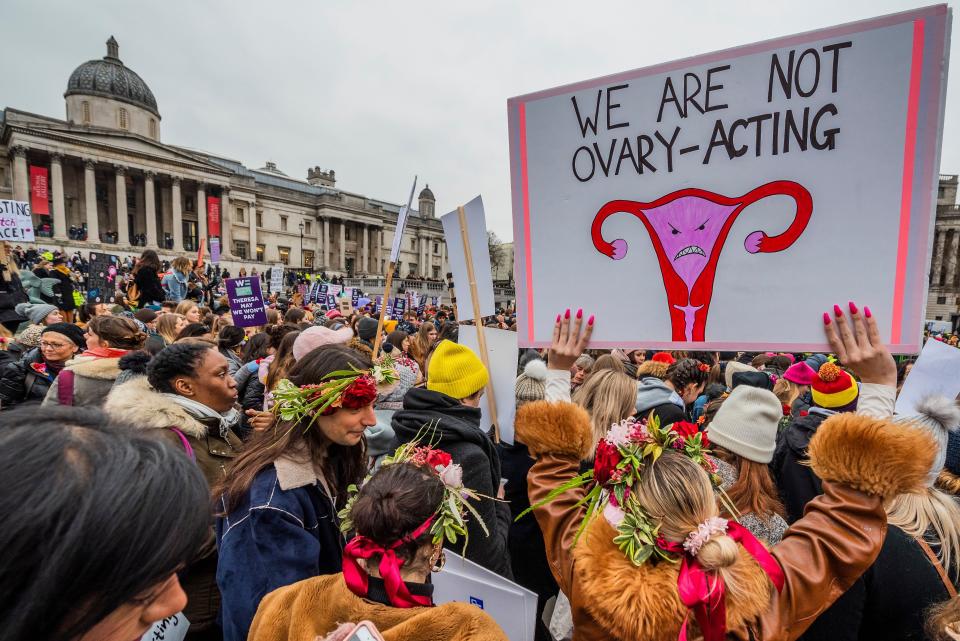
pixel 937 415
pixel 746 423
pixel 734 367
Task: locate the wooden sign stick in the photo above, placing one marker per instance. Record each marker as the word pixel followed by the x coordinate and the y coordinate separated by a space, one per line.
pixel 383 309
pixel 481 339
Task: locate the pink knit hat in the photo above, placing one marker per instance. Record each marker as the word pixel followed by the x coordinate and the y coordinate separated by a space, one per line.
pixel 799 373
pixel 318 336
pixel 333 313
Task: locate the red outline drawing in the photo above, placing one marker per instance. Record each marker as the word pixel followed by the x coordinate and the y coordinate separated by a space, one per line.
pixel 692 225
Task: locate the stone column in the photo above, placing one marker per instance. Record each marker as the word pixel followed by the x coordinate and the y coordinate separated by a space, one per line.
pixel 177 215
pixel 252 226
pixel 343 246
pixel 90 202
pixel 226 220
pixel 59 207
pixel 443 259
pixel 326 242
pixel 150 209
pixel 365 266
pixel 21 182
pixel 422 245
pixel 202 216
pixel 938 258
pixel 952 256
pixel 123 228
pixel 378 252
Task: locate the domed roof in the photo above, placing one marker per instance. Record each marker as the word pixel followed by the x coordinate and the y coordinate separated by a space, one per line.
pixel 110 78
pixel 426 194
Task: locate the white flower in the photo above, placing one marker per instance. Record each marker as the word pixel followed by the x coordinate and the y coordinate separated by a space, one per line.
pixel 619 433
pixel 451 475
pixel 613 514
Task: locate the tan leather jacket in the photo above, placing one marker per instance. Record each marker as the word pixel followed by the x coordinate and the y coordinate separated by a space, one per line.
pixel 860 459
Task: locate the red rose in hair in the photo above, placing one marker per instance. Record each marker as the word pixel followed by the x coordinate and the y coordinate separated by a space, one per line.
pixel 360 393
pixel 683 429
pixel 605 462
pixel 438 457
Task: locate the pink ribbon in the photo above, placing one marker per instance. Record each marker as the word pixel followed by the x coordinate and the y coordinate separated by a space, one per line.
pixel 704 592
pixel 360 547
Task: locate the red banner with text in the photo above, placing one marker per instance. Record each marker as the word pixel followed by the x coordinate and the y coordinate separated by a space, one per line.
pixel 213 216
pixel 39 190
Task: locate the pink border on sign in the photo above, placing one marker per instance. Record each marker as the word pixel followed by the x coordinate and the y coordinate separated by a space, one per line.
pixel 917 16
pixel 906 195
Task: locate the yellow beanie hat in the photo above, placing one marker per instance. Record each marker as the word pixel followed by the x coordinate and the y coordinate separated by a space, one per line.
pixel 456 371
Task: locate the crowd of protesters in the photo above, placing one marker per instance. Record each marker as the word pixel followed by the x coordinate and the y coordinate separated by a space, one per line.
pixel 275 482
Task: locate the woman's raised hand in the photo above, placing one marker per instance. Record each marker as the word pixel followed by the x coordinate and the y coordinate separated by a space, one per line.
pixel 568 341
pixel 858 345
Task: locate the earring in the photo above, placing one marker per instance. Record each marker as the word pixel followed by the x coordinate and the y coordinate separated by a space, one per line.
pixel 439 562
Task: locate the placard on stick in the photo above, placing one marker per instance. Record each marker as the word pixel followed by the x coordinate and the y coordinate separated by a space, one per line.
pixel 102 278
pixel 246 301
pixel 502 354
pixel 676 201
pixel 16 222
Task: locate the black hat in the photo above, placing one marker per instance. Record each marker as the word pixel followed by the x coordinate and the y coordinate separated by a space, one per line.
pixel 71 331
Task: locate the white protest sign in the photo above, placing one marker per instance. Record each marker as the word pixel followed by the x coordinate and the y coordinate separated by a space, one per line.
pixel 936 372
pixel 479 250
pixel 276 278
pixel 811 160
pixel 16 224
pixel 502 352
pixel 173 628
pixel 334 289
pixel 513 607
pixel 401 223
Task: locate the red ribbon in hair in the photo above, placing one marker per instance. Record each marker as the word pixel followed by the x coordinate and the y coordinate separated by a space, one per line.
pixel 704 592
pixel 360 547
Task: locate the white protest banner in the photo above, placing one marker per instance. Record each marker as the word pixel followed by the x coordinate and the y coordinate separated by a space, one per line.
pixel 513 607
pixel 173 628
pixel 334 289
pixel 276 278
pixel 401 223
pixel 16 224
pixel 936 372
pixel 502 352
pixel 810 161
pixel 480 251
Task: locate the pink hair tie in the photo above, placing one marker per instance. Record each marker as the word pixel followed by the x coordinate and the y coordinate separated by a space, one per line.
pixel 709 528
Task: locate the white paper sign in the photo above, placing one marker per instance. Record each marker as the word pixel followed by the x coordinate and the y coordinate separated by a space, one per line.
pixel 480 250
pixel 173 628
pixel 16 224
pixel 503 352
pixel 513 607
pixel 401 223
pixel 814 156
pixel 937 371
pixel 276 278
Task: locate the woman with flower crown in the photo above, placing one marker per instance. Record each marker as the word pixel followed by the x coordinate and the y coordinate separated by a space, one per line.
pixel 638 545
pixel 278 519
pixel 401 516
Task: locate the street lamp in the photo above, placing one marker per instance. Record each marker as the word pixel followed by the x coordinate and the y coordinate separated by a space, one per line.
pixel 301 245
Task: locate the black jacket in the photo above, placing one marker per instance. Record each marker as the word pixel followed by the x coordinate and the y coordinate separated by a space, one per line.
pixel 19 383
pixel 889 601
pixel 148 283
pixel 11 294
pixel 457 432
pixel 65 290
pixel 795 480
pixel 250 392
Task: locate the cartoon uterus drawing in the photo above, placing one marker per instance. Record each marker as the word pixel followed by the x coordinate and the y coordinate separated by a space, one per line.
pixel 688 229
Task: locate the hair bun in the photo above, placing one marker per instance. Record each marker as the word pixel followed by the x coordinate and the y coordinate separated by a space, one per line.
pixel 719 552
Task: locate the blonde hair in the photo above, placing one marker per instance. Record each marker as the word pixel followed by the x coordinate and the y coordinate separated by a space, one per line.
pixel 786 391
pixel 609 397
pixel 167 326
pixel 182 264
pixel 185 306
pixel 677 493
pixel 917 512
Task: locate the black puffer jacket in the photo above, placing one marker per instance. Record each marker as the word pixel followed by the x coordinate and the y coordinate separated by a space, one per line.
pixel 457 432
pixel 795 480
pixel 20 383
pixel 12 293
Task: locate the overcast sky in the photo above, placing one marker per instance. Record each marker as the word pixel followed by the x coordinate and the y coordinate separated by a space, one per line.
pixel 382 90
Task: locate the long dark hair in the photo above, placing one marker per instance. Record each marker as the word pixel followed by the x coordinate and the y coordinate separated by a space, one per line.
pixel 257 347
pixel 96 514
pixel 342 466
pixel 148 260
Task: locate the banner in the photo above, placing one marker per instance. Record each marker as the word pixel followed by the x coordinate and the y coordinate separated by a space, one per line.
pixel 246 301
pixel 399 306
pixel 215 250
pixel 16 225
pixel 276 278
pixel 213 216
pixel 39 190
pixel 355 296
pixel 401 224
pixel 811 157
pixel 331 301
pixel 102 278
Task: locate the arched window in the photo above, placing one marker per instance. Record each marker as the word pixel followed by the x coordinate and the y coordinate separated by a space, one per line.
pixel 86 112
pixel 123 118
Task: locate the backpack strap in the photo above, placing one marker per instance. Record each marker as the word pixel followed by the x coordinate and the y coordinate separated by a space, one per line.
pixel 65 387
pixel 947 583
pixel 186 443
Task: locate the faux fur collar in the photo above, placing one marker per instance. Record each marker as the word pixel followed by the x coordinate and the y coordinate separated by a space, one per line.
pixel 642 602
pixel 101 368
pixel 138 405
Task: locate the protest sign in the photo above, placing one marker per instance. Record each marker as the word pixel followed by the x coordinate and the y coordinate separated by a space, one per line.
pixel 513 607
pixel 399 306
pixel 331 301
pixel 334 289
pixel 215 250
pixel 476 236
pixel 355 296
pixel 246 301
pixel 173 628
pixel 502 354
pixel 810 158
pixel 102 278
pixel 276 278
pixel 16 224
pixel 936 372
pixel 401 223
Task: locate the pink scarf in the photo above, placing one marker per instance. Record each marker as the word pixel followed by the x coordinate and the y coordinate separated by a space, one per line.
pixel 105 352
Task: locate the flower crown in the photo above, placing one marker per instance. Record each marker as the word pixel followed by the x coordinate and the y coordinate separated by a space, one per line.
pixel 621 456
pixel 448 520
pixel 348 389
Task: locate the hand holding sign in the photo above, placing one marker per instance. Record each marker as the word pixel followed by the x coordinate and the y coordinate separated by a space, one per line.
pixel 568 342
pixel 860 349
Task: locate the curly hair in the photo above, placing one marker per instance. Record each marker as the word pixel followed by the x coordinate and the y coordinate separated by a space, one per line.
pixel 687 371
pixel 179 359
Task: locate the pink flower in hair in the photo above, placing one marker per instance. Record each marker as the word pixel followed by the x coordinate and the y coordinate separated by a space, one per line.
pixel 709 528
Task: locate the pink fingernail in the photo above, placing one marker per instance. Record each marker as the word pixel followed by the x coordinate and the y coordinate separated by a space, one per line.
pixel 558 318
pixel 826 318
pixel 590 321
pixel 853 308
pixel 866 312
pixel 837 311
pixel 579 313
pixel 567 315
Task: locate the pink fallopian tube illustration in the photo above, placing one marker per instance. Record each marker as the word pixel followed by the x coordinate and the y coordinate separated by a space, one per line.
pixel 688 229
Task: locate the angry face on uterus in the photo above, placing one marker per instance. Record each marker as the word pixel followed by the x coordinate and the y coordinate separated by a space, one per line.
pixel 688 229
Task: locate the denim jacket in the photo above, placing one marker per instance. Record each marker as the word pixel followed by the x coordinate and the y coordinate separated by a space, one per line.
pixel 174 283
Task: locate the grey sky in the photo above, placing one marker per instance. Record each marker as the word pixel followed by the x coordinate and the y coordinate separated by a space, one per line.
pixel 381 90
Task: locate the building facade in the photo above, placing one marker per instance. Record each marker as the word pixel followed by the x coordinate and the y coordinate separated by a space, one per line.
pixel 943 299
pixel 114 187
